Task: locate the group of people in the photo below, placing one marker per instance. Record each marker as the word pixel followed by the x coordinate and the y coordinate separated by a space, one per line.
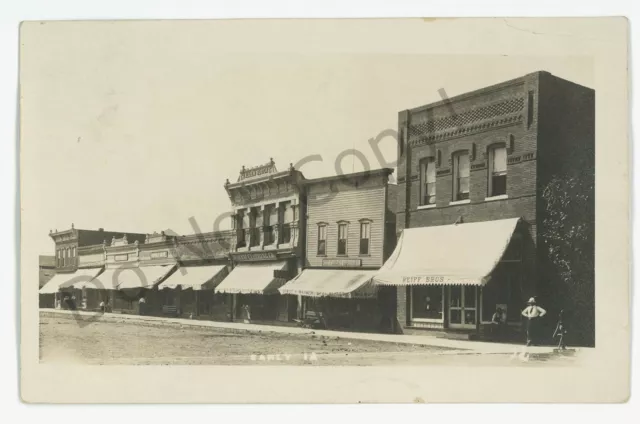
pixel 533 314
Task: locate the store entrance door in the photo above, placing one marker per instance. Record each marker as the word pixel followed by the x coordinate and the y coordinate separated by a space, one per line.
pixel 463 303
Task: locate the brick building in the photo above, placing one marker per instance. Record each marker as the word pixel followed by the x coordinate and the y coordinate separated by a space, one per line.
pixel 79 259
pixel 348 233
pixel 472 213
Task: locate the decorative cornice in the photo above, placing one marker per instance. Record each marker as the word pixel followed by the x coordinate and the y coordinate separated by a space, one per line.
pixel 476 120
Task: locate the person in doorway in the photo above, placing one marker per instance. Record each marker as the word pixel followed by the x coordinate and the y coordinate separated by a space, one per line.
pixel 102 307
pixel 533 313
pixel 142 303
pixel 498 321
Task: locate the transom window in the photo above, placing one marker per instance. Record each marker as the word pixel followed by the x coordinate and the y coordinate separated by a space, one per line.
pixel 497 171
pixel 461 176
pixel 428 181
pixel 322 239
pixel 365 237
pixel 342 238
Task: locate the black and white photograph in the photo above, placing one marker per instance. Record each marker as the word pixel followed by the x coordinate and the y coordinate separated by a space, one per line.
pixel 258 196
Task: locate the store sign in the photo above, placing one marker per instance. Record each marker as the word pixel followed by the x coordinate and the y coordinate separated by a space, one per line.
pixel 157 255
pixel 342 263
pixel 257 256
pixel 422 279
pixel 121 258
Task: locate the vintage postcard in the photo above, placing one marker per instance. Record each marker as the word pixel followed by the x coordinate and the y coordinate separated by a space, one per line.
pixel 334 211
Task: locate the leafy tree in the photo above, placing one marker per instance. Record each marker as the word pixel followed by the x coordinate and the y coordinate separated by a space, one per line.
pixel 568 235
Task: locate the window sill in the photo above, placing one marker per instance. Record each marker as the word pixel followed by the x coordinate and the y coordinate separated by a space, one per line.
pixel 364 255
pixel 320 256
pixel 427 206
pixel 492 198
pixel 460 202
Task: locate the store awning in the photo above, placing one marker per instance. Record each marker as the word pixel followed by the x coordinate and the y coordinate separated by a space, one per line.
pixel 253 278
pixel 195 277
pixel 62 281
pixel 332 283
pixel 130 278
pixel 447 254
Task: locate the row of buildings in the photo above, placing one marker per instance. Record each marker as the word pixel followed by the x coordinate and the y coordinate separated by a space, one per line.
pixel 463 232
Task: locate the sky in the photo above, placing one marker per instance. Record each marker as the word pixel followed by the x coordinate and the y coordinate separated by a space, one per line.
pixel 136 126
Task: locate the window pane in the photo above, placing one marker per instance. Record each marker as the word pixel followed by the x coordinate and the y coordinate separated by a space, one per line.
pixel 498 185
pixel 499 159
pixel 463 165
pixel 322 244
pixel 463 185
pixel 431 171
pixel 342 247
pixel 455 296
pixel 364 246
pixel 427 302
pixel 469 296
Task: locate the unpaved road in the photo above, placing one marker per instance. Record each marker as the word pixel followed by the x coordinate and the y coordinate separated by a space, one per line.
pixel 126 342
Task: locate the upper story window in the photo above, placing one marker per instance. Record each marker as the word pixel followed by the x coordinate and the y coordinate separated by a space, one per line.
pixel 322 239
pixel 428 181
pixel 497 171
pixel 461 176
pixel 365 236
pixel 342 238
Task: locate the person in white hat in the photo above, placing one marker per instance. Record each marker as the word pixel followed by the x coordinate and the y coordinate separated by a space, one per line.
pixel 533 313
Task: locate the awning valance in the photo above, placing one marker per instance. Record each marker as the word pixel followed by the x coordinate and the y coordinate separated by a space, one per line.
pixel 195 277
pixel 62 281
pixel 253 278
pixel 332 283
pixel 130 278
pixel 447 254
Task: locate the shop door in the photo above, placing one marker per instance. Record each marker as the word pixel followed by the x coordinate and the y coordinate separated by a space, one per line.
pixel 463 302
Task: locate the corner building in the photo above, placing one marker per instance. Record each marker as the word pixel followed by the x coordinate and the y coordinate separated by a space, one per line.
pixel 471 174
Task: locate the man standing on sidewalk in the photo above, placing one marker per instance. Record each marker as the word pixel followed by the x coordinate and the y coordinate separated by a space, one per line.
pixel 533 313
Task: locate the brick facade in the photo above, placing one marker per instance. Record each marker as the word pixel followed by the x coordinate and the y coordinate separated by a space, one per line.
pixel 545 123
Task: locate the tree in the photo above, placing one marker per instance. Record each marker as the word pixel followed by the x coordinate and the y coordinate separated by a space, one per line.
pixel 568 234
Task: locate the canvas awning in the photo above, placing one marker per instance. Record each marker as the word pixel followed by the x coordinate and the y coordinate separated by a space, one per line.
pixel 195 277
pixel 61 281
pixel 447 254
pixel 130 278
pixel 253 278
pixel 332 283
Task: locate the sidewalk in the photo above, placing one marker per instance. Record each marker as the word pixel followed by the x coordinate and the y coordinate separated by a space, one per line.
pixel 462 346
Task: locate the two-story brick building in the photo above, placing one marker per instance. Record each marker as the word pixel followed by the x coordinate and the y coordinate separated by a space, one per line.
pixel 348 228
pixel 268 246
pixel 472 173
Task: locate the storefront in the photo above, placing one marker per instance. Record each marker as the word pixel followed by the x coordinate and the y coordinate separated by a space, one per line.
pixel 337 298
pixel 125 287
pixel 254 283
pixel 189 291
pixel 455 277
pixel 61 292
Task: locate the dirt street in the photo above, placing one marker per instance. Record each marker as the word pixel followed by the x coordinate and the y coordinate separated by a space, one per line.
pixel 123 342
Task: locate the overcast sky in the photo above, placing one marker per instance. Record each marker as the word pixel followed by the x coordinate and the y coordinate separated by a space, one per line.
pixel 136 126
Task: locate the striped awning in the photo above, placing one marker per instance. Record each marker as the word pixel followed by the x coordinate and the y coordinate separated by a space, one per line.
pixel 459 254
pixel 332 283
pixel 62 281
pixel 195 277
pixel 253 278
